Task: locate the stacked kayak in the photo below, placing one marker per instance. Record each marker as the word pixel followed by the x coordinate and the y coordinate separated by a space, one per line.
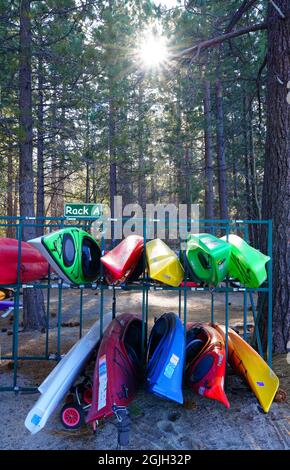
pixel 118 367
pixel 122 262
pixel 73 254
pixel 246 362
pixel 165 358
pixel 206 362
pixel 208 258
pixel 163 264
pixel 247 264
pixel 33 266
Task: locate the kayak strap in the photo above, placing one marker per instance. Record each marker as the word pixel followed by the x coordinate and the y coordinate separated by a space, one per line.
pixel 123 425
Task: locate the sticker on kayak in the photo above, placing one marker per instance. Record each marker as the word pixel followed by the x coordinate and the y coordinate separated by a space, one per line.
pixel 102 395
pixel 261 384
pixel 36 420
pixel 169 369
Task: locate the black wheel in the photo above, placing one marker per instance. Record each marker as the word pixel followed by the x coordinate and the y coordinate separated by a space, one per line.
pixel 72 415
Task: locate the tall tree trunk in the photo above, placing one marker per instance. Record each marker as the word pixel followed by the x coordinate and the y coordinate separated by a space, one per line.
pixel 209 194
pixel 221 159
pixel 40 211
pixel 33 308
pixel 87 182
pixel 248 212
pixel 276 195
pixel 255 208
pixel 112 153
pixel 10 231
pixel 140 134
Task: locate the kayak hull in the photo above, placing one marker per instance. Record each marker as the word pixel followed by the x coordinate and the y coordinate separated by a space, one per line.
pixel 247 264
pixel 56 385
pixel 73 254
pixel 206 362
pixel 165 358
pixel 163 264
pixel 121 262
pixel 246 362
pixel 33 266
pixel 118 367
pixel 208 258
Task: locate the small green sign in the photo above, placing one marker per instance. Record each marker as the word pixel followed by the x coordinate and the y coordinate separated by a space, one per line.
pixel 83 211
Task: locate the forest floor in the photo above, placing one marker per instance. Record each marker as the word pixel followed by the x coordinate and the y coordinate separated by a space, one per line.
pixel 156 424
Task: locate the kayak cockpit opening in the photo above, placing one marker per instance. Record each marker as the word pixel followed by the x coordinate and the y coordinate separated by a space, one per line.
pixel 90 258
pixel 133 342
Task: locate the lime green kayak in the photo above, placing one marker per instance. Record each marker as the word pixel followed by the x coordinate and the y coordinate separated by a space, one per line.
pixel 73 254
pixel 247 264
pixel 208 257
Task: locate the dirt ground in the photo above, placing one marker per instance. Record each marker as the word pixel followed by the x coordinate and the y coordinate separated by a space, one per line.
pixel 156 424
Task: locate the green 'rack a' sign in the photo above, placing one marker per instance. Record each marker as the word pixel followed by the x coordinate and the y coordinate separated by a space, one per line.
pixel 83 211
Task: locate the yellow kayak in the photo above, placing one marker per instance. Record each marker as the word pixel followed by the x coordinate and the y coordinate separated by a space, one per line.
pixel 245 361
pixel 163 264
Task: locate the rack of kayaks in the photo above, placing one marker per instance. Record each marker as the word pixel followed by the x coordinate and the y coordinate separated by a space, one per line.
pixel 177 352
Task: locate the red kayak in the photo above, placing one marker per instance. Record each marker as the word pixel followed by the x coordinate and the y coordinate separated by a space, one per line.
pixel 121 262
pixel 206 362
pixel 33 265
pixel 118 367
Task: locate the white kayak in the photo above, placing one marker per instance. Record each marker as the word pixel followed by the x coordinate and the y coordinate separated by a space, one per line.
pixel 54 388
pixel 37 243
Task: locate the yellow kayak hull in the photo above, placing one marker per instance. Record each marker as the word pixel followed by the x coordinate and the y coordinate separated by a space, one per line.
pixel 246 362
pixel 163 264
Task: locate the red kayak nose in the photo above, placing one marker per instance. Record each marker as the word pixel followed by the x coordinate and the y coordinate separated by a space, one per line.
pixel 216 392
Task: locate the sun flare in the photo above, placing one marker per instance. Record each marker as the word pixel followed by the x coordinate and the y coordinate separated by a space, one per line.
pixel 153 51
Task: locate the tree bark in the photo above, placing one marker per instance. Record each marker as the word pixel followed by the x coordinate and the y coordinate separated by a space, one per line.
pixel 10 231
pixel 141 172
pixel 33 308
pixel 209 194
pixel 221 160
pixel 276 194
pixel 40 211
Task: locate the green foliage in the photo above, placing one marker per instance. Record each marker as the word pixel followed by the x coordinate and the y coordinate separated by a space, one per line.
pixel 89 56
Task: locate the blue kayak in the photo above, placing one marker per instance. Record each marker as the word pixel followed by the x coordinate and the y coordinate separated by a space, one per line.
pixel 165 358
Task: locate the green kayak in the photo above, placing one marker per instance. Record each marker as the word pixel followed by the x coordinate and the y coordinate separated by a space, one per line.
pixel 247 264
pixel 73 254
pixel 208 257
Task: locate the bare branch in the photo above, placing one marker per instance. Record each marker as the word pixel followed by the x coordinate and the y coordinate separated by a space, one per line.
pixel 219 39
pixel 246 5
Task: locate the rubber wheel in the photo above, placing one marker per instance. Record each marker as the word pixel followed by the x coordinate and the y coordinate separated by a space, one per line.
pixel 72 416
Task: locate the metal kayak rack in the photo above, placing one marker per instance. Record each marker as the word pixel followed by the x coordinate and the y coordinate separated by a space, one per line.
pixel 144 285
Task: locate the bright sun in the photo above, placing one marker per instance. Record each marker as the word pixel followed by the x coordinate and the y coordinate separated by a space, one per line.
pixel 153 51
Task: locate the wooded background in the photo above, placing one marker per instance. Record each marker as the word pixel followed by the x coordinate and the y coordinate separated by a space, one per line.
pixel 81 119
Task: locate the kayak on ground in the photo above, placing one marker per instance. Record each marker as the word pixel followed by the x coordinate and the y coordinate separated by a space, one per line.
pixel 208 258
pixel 121 262
pixel 118 368
pixel 165 358
pixel 73 254
pixel 206 362
pixel 163 264
pixel 247 264
pixel 246 362
pixel 33 266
